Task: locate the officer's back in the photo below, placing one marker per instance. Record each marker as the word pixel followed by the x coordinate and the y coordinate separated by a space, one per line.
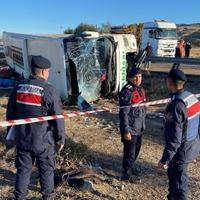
pixel 35 97
pixel 182 143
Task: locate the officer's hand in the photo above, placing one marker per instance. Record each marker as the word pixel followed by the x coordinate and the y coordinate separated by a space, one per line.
pixel 60 147
pixel 162 166
pixel 127 137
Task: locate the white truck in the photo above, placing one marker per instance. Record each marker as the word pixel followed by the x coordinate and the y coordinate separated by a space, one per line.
pixel 162 36
pixel 80 63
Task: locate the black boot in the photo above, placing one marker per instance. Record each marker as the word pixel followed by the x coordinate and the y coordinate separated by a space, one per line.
pixel 48 197
pixel 127 175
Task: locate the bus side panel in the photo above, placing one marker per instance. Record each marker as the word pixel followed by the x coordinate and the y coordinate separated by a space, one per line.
pixel 53 50
pixel 15 49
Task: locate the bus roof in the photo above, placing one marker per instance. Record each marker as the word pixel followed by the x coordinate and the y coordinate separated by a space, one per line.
pixel 41 36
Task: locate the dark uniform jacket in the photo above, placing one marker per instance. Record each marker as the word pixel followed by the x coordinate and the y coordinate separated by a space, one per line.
pixel 182 144
pixel 35 97
pixel 132 120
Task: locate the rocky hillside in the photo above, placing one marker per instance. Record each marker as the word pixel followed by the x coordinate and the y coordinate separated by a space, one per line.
pixel 190 32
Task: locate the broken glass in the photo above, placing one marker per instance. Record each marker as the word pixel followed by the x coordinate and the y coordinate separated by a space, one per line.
pixel 88 56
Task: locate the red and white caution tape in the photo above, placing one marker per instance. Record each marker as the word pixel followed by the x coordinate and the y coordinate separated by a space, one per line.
pixel 46 118
pixel 75 114
pixel 151 103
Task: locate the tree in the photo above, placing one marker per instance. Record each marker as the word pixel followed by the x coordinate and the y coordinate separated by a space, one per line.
pixel 85 27
pixel 105 28
pixel 69 31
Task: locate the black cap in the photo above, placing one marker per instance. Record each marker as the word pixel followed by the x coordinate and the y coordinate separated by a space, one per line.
pixel 134 71
pixel 40 62
pixel 177 74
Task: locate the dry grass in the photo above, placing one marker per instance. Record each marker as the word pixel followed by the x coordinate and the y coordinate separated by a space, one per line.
pixel 195 53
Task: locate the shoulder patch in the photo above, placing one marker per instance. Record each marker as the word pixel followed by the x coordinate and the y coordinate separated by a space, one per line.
pixel 128 86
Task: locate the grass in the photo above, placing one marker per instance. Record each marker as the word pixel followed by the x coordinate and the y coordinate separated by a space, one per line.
pixel 195 52
pixel 156 87
pixel 72 155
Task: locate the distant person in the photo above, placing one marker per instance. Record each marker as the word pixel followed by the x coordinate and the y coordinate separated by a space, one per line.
pixel 35 97
pixel 149 52
pixel 181 130
pixel 179 52
pixel 187 49
pixel 132 121
pixel 180 49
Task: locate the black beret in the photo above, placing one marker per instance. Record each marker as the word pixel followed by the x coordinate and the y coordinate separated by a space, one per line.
pixel 40 62
pixel 177 74
pixel 134 71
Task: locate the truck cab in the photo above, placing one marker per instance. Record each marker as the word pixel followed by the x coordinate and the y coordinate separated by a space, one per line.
pixel 162 36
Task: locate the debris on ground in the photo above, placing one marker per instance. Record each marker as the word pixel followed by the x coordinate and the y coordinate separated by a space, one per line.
pixel 82 178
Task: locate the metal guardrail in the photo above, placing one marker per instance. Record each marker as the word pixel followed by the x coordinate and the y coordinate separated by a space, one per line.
pixel 141 59
pixel 189 61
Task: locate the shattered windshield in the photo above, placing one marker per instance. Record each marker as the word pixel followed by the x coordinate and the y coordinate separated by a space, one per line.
pixel 167 34
pixel 88 58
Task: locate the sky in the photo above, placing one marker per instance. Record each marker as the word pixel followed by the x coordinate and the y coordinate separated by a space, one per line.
pixel 54 16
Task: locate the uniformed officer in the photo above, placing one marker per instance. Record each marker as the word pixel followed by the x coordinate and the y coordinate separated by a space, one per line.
pixel 36 97
pixel 181 134
pixel 132 121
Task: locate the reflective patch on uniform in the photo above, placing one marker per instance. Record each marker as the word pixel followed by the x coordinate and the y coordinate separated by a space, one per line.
pixel 169 117
pixel 190 100
pixel 29 88
pixel 194 110
pixel 29 95
pixel 193 106
pixel 137 97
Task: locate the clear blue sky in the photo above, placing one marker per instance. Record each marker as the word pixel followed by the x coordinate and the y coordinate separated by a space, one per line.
pixel 53 16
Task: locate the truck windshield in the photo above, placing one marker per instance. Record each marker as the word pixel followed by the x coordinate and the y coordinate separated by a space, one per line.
pixel 167 34
pixel 87 59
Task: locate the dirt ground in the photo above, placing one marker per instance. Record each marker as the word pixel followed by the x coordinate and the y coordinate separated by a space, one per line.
pixel 95 140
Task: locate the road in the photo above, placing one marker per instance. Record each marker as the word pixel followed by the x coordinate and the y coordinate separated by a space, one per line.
pixel 165 67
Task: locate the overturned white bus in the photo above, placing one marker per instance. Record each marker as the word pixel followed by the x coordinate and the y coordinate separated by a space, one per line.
pixel 86 64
